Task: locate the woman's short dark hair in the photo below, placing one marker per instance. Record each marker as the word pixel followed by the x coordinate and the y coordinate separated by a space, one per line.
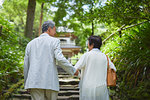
pixel 96 41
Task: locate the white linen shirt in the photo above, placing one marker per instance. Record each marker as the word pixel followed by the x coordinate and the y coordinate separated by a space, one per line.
pixel 40 70
pixel 93 85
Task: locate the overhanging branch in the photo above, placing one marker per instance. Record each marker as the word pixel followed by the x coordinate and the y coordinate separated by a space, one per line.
pixel 134 25
pixel 121 28
pixel 114 33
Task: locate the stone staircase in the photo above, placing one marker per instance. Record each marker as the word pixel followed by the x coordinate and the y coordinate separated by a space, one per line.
pixel 69 89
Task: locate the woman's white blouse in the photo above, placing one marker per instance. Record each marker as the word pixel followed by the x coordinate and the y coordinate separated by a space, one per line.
pixel 93 65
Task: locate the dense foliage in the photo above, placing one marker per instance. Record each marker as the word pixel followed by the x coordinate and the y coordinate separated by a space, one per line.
pixel 130 51
pixel 131 54
pixel 11 54
pixel 123 12
pixel 16 12
pixel 85 16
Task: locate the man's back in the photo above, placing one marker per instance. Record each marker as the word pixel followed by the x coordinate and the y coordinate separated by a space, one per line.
pixel 42 71
pixel 41 50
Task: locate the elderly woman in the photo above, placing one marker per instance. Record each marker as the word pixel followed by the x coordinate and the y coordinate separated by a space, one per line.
pixel 93 65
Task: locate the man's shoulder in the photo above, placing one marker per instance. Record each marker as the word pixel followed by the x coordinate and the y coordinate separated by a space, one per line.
pixel 50 38
pixel 32 41
pixel 55 39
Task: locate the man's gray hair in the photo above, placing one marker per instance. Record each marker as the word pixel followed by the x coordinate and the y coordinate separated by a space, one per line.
pixel 46 25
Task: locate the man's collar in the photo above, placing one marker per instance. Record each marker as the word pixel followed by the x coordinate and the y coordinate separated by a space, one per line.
pixel 44 34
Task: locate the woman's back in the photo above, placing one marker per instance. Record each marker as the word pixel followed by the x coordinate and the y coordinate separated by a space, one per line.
pixel 93 65
pixel 95 69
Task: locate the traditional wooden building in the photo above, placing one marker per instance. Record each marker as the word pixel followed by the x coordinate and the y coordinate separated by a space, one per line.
pixel 68 45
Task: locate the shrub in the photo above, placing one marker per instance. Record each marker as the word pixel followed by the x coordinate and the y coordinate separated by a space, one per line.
pixel 12 45
pixel 131 55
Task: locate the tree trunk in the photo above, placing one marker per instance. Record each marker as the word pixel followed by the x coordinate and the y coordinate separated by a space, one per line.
pixel 30 18
pixel 93 27
pixel 1 28
pixel 92 12
pixel 41 17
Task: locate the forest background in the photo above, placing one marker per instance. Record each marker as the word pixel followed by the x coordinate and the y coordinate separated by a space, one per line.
pixel 124 26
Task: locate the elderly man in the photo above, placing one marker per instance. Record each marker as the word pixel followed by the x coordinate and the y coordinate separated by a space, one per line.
pixel 40 71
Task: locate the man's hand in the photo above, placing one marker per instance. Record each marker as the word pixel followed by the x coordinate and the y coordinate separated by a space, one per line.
pixel 76 73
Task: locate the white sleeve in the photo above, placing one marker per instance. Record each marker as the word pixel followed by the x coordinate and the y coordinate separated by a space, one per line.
pixel 62 61
pixel 81 63
pixel 111 65
pixel 26 64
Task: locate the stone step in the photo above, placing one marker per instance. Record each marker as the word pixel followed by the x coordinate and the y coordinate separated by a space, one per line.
pixel 65 88
pixel 68 81
pixel 62 73
pixel 17 99
pixel 62 88
pixel 72 97
pixel 63 91
pixel 64 76
pixel 67 76
pixel 28 97
pixel 68 93
pixel 20 96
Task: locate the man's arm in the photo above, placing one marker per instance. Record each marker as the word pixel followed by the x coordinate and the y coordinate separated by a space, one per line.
pixel 62 61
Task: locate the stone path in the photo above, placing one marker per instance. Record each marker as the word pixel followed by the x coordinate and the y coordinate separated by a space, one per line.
pixel 68 88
